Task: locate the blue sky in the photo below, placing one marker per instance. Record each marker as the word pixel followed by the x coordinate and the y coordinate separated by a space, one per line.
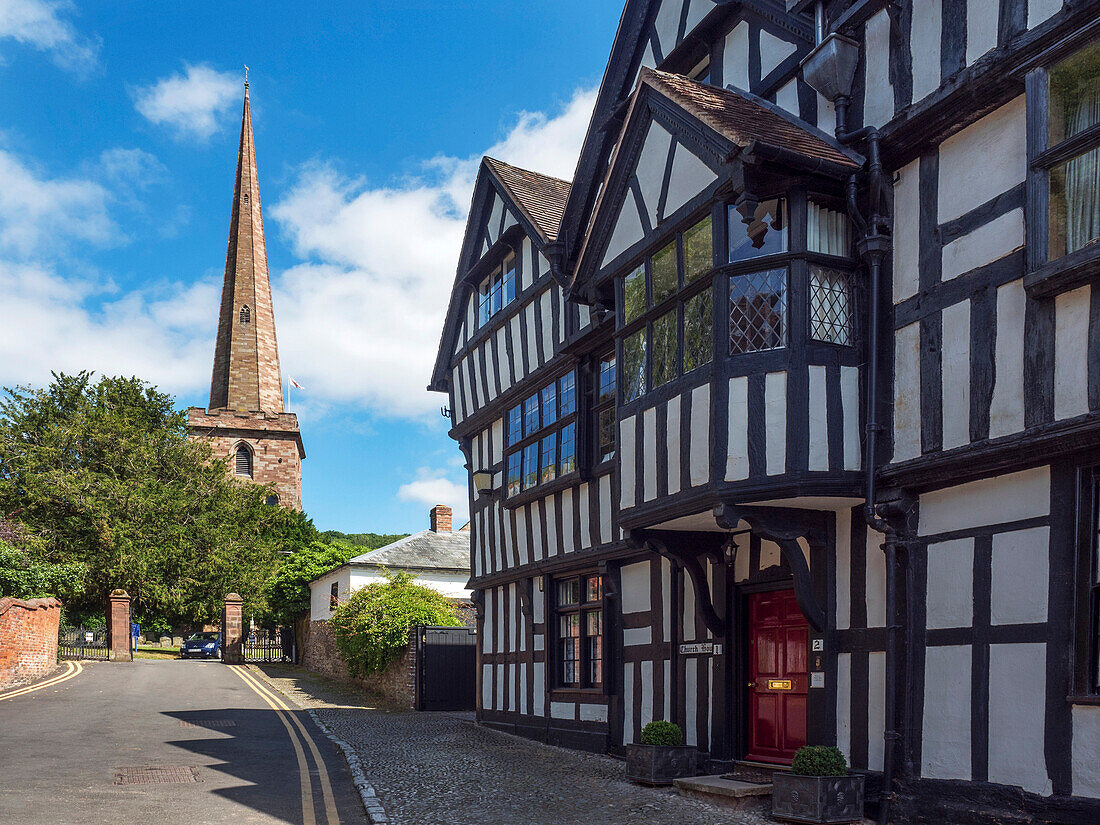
pixel 118 131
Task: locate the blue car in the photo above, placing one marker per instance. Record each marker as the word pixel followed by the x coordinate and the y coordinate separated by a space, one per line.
pixel 202 646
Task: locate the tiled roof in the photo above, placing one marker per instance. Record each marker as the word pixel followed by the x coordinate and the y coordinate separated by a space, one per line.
pixel 426 550
pixel 744 119
pixel 540 196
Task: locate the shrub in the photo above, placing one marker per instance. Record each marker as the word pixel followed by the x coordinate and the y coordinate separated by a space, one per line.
pixel 372 626
pixel 819 760
pixel 663 734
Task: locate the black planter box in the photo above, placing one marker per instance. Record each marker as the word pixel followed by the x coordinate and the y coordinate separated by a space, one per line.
pixel 659 764
pixel 818 799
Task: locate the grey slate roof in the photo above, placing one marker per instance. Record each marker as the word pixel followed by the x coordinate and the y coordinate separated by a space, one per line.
pixel 426 550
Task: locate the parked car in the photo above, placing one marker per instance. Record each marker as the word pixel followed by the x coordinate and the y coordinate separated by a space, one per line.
pixel 202 646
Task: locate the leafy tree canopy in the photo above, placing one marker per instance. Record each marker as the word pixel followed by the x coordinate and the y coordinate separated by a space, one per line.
pixel 104 473
pixel 287 591
pixel 372 626
pixel 367 541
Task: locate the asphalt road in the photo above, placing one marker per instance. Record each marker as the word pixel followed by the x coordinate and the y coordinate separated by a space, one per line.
pixel 167 743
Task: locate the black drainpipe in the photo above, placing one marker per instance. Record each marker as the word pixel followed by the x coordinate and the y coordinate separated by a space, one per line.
pixel 874 245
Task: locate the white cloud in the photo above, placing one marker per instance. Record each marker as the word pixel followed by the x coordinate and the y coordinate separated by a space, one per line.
pixel 432 487
pixel 40 24
pixel 360 319
pixel 192 102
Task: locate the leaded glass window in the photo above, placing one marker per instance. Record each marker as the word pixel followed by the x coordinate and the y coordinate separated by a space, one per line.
pixel 512 477
pixel 578 605
pixel 604 409
pixel 698 250
pixel 698 330
pixel 764 234
pixel 541 435
pixel 634 294
pixel 634 383
pixel 567 458
pixel 758 311
pixel 530 465
pixel 831 318
pixel 549 462
pixel 665 352
pixel 665 273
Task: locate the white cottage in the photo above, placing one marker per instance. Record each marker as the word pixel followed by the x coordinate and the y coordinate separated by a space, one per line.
pixel 439 558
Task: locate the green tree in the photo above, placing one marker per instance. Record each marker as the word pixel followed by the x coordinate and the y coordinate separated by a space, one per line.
pixel 104 472
pixel 287 591
pixel 364 541
pixel 372 626
pixel 26 573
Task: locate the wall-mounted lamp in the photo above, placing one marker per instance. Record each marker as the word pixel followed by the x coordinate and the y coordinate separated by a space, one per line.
pixel 831 67
pixel 483 483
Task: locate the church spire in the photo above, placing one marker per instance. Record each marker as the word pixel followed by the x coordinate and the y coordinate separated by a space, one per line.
pixel 246 356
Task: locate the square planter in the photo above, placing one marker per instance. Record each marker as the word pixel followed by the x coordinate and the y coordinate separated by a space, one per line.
pixel 658 764
pixel 818 799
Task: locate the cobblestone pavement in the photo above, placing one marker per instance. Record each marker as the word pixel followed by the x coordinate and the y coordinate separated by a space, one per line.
pixel 442 769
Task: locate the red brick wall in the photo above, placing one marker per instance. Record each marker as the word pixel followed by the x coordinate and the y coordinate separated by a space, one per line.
pixel 28 639
pixel 397 684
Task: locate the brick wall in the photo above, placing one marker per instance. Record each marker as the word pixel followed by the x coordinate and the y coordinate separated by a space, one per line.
pixel 28 639
pixel 397 684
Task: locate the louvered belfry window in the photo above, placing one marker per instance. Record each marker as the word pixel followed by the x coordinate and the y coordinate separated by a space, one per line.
pixel 246 314
pixel 243 461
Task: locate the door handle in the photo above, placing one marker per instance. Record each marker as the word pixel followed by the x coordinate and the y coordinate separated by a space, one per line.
pixel 752 684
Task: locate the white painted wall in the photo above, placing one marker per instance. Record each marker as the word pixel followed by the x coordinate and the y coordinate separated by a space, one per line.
pixel 452 585
pixel 989 501
pixel 983 160
pixel 945 747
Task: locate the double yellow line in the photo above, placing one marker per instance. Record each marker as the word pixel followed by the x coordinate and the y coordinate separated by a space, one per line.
pixel 286 716
pixel 72 670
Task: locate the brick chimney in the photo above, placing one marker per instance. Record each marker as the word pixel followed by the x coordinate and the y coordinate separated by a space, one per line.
pixel 441 519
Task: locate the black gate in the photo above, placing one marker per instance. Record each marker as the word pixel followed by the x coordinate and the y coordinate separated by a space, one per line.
pixel 446 671
pixel 262 645
pixel 82 643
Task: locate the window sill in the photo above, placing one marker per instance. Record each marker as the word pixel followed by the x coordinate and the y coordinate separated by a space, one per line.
pixel 1065 273
pixel 541 490
pixel 588 695
pixel 1084 700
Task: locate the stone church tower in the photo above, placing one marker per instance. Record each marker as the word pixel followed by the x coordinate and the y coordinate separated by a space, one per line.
pixel 246 422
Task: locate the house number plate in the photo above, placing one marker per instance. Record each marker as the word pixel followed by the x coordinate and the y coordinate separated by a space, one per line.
pixel 779 684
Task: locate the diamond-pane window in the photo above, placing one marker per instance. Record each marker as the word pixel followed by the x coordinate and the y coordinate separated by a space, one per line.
pixel 665 352
pixel 830 306
pixel 633 366
pixel 698 331
pixel 758 311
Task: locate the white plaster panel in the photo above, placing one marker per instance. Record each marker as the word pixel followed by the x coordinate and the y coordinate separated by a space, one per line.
pixel 649 60
pixel 628 230
pixel 634 580
pixel 511 677
pixel 627 492
pixel 989 242
pixel 770 554
pixel 844 705
pixel 775 422
pixel 699 468
pixel 628 702
pixel 499 699
pixel 878 105
pixel 517 353
pixel 532 341
pixel 787 96
pixel 550 540
pixel 1040 10
pixel 945 750
pixel 527 274
pixel 849 403
pixel 691 700
pixel 1021 495
pixel 1017 716
pixel 509 221
pixel 741 570
pixel 819 420
pixel 843 556
pixel 1071 353
pixel 1085 766
pixel 522 706
pixel 983 160
pixel 1021 569
pixel 667 24
pixel 546 306
pixel 950 589
pixel 651 167
pixel 907 232
pixel 666 601
pixel 690 176
pixel 604 485
pixel 907 416
pixel 1006 408
pixel 568 543
pixel 487 687
pixel 538 688
pixel 528 542
pixel 590 712
pixel 876 709
pixel 563 710
pixel 672 444
pixel 637 636
pixel 493 226
pixel 649 454
pixel 955 375
pixel 773 51
pixel 735 57
pixel 647 693
pixel 926 31
pixel 737 441
pixel 538 607
pixel 688 618
pixel 875 583
pixel 981 27
pixel 586 527
pixel 697 10
pixel 826 115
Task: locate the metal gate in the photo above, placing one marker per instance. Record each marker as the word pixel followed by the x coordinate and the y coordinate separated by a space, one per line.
pixel 446 669
pixel 264 645
pixel 82 643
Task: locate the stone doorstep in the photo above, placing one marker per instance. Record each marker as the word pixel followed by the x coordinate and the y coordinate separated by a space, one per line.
pixel 728 793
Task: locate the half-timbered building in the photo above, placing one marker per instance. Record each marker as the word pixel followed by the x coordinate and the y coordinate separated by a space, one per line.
pixel 783 418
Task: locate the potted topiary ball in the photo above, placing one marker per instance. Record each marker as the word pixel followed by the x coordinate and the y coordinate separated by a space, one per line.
pixel 818 788
pixel 661 756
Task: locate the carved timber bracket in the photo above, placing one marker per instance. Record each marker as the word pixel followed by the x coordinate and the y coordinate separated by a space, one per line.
pixel 691 563
pixel 785 526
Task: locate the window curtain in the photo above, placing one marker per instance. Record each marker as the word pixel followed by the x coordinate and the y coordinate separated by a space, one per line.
pixel 1083 176
pixel 826 231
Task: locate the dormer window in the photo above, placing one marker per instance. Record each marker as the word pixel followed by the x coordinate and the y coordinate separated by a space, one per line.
pixel 246 314
pixel 497 291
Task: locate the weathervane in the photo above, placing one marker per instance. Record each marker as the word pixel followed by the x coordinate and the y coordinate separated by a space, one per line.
pixel 246 77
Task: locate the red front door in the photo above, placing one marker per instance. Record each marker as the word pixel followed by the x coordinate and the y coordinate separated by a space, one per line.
pixel 778 676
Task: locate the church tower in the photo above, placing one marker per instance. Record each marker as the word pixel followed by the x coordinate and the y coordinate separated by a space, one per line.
pixel 246 422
